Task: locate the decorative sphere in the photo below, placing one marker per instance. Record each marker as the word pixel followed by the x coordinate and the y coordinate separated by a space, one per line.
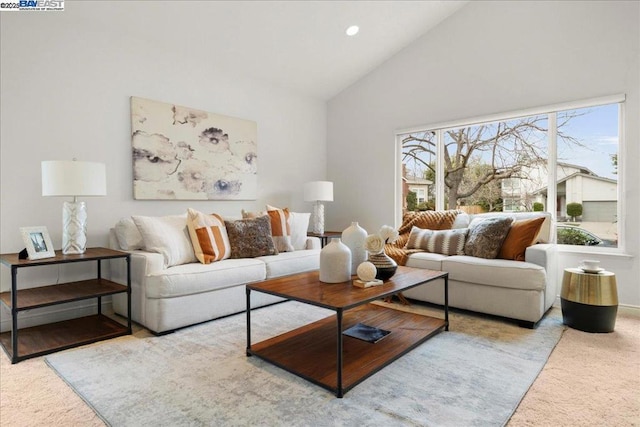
pixel 366 271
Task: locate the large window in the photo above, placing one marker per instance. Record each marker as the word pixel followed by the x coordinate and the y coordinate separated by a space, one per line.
pixel 563 160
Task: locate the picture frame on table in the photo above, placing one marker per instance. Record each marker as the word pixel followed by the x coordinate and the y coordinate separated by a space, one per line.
pixel 37 242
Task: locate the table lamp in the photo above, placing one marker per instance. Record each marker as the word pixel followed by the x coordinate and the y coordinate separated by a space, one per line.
pixel 73 179
pixel 318 192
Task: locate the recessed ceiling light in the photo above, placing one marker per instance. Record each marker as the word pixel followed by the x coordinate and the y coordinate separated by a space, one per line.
pixel 353 30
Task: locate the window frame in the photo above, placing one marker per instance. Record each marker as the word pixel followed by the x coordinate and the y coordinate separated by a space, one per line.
pixel 551 112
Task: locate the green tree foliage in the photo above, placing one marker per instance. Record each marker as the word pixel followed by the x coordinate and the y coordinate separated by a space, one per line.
pixel 538 207
pixel 574 210
pixel 412 201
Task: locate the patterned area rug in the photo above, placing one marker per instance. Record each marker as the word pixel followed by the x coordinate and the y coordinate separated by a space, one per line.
pixel 474 375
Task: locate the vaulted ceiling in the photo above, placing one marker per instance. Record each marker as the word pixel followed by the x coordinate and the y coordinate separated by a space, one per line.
pixel 299 45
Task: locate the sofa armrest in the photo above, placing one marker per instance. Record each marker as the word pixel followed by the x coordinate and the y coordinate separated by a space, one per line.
pixel 544 255
pixel 313 243
pixel 142 265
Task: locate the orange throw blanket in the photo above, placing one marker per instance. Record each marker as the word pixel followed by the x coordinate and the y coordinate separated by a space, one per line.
pixel 432 220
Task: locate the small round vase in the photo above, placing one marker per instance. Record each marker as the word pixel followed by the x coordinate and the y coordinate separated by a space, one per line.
pixel 385 266
pixel 354 238
pixel 335 262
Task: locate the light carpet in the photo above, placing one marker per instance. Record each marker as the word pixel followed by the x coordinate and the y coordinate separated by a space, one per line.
pixel 473 375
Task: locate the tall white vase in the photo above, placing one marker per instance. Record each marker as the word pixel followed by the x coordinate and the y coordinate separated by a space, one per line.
pixel 354 237
pixel 335 262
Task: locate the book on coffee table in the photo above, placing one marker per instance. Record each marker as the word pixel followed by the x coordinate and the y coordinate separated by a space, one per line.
pixel 366 333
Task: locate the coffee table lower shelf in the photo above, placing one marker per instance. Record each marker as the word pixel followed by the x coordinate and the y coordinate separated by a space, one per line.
pixel 311 351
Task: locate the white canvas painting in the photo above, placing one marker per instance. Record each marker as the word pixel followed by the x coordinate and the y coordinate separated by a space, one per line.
pixel 186 154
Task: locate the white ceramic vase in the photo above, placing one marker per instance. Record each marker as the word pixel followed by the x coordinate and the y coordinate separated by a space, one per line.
pixel 335 262
pixel 354 237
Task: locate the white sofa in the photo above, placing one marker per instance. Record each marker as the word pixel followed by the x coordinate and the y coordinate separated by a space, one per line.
pixel 167 298
pixel 514 289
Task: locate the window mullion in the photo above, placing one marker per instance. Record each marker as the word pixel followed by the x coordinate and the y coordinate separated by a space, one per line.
pixel 552 178
pixel 440 188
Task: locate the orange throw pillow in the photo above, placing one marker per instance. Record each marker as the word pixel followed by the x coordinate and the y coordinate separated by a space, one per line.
pixel 280 230
pixel 208 236
pixel 521 235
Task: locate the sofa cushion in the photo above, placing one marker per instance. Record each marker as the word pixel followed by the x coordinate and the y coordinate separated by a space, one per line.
pixel 280 229
pixel 486 236
pixel 521 235
pixel 462 220
pixel 446 242
pixel 250 238
pixel 426 260
pixel 208 236
pixel 167 235
pixel 195 278
pixel 128 235
pixel 299 223
pixel 286 263
pixel 495 272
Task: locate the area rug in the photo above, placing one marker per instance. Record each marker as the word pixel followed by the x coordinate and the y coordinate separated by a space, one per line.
pixel 473 375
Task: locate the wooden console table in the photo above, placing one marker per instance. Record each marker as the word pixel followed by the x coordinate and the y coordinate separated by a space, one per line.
pixel 20 344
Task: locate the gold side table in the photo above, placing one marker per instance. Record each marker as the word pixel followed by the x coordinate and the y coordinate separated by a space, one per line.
pixel 589 300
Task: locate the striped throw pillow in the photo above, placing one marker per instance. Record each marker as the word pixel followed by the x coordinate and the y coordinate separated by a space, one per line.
pixel 208 236
pixel 446 242
pixel 280 230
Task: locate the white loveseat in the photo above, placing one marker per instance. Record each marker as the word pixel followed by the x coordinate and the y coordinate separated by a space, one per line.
pixel 167 298
pixel 514 289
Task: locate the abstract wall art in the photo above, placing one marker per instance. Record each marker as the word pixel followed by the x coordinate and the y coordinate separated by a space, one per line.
pixel 181 153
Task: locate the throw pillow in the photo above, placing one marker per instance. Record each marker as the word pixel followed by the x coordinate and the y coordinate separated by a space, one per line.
pixel 250 238
pixel 427 220
pixel 299 224
pixel 280 230
pixel 208 236
pixel 128 235
pixel 486 237
pixel 446 242
pixel 521 235
pixel 249 215
pixel 167 235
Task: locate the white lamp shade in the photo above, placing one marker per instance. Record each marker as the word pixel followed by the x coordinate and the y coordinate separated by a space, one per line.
pixel 73 178
pixel 318 191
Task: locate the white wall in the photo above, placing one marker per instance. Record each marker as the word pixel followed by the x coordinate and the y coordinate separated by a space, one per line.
pixel 490 57
pixel 66 94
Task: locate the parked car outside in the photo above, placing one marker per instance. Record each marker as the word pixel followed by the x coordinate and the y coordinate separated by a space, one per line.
pixel 572 235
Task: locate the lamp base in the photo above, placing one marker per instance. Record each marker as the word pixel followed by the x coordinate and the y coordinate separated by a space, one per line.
pixel 318 218
pixel 74 227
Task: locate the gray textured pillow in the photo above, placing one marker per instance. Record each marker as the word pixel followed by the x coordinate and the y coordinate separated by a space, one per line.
pixel 485 238
pixel 250 238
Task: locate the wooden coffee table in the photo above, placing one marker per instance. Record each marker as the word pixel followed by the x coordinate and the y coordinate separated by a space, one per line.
pixel 320 353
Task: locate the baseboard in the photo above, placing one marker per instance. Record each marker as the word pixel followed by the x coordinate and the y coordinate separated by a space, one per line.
pixel 624 309
pixel 55 313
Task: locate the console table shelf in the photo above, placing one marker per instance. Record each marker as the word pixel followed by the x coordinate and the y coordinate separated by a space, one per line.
pixel 20 344
pixel 58 294
pixel 44 339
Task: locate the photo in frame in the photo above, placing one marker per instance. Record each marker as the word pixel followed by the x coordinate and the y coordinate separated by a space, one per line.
pixel 37 242
pixel 180 153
